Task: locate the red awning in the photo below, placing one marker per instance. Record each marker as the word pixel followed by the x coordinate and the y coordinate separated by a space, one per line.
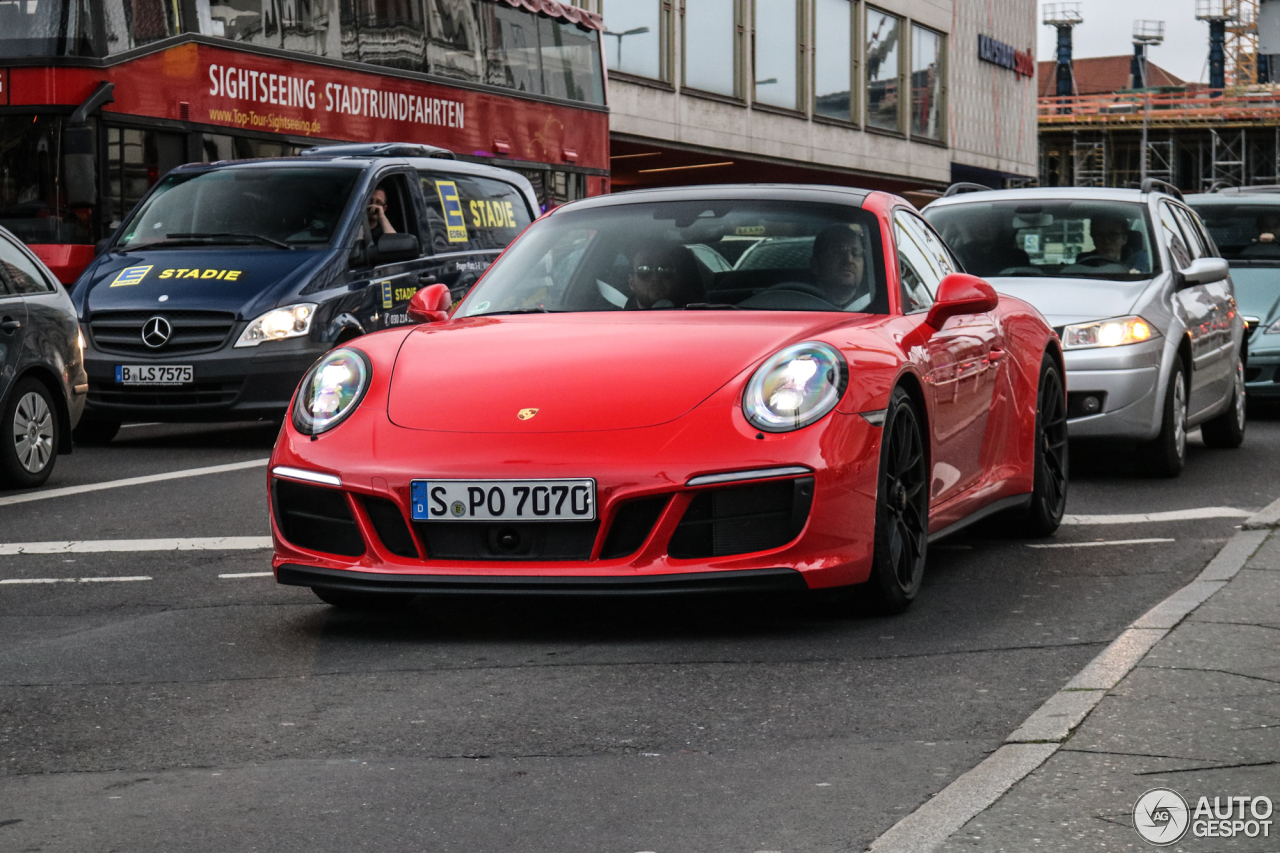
pixel 564 12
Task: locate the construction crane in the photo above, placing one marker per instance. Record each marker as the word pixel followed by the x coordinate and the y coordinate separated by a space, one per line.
pixel 1233 41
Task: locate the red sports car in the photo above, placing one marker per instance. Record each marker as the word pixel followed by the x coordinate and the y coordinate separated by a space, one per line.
pixel 712 388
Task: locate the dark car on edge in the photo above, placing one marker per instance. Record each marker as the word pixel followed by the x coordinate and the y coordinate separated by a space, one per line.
pixel 229 279
pixel 42 380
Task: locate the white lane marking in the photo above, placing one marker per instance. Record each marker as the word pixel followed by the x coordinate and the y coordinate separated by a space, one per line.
pixel 130 481
pixel 1101 544
pixel 98 546
pixel 248 575
pixel 74 580
pixel 1147 517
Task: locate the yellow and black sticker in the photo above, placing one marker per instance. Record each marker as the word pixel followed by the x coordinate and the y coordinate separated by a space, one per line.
pixel 386 293
pixel 131 275
pixel 493 214
pixel 218 275
pixel 404 294
pixel 455 223
pixel 750 231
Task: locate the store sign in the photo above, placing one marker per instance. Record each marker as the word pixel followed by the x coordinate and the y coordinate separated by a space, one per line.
pixel 1021 62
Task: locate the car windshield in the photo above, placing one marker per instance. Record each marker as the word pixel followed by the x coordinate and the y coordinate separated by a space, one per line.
pixel 691 255
pixel 1050 238
pixel 282 207
pixel 1246 232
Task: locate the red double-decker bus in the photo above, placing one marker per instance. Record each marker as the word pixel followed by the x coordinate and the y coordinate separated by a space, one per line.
pixel 100 98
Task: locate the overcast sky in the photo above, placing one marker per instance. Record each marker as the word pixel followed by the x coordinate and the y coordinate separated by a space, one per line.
pixel 1108 31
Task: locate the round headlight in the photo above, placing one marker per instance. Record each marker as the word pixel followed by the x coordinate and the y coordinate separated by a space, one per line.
pixel 331 390
pixel 796 387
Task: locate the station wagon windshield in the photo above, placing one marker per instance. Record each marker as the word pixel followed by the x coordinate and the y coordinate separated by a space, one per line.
pixel 1052 239
pixel 691 255
pixel 281 207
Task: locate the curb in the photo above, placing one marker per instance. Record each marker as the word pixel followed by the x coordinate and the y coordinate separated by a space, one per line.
pixel 1043 733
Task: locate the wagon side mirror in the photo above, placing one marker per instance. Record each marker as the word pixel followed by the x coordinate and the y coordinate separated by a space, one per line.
pixel 1203 271
pixel 431 304
pixel 960 293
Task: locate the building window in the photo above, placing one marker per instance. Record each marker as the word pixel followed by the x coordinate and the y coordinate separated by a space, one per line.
pixel 833 59
pixel 926 83
pixel 711 46
pixel 776 45
pixel 634 40
pixel 883 67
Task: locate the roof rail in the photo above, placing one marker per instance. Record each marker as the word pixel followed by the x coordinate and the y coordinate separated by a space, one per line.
pixel 1217 186
pixel 965 187
pixel 1156 185
pixel 378 149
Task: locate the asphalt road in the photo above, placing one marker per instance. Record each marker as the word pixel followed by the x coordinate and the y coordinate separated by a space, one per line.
pixel 198 712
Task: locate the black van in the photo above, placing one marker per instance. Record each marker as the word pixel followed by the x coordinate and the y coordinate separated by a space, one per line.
pixel 229 279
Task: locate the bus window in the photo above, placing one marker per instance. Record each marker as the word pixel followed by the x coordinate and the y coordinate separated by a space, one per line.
pixel 454 48
pixel 33 203
pixel 467 213
pixel 136 160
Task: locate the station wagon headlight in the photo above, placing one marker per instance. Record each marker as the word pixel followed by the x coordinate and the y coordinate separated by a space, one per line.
pixel 1108 333
pixel 331 390
pixel 292 321
pixel 796 387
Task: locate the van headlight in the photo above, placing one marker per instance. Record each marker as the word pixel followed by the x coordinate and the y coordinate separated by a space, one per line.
pixel 292 321
pixel 1108 333
pixel 795 387
pixel 331 390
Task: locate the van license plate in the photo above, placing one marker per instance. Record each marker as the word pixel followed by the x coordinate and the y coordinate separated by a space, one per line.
pixel 155 374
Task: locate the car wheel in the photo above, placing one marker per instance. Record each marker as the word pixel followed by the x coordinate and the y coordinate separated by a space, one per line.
pixel 347 600
pixel 1049 492
pixel 1167 454
pixel 30 439
pixel 902 510
pixel 1227 429
pixel 91 431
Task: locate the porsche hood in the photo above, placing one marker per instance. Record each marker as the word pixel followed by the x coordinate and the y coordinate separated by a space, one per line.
pixel 558 374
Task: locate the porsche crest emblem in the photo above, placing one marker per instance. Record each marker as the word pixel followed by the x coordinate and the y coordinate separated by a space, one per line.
pixel 525 414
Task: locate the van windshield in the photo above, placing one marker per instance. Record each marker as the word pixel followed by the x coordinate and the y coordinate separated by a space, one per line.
pixel 283 207
pixel 1050 238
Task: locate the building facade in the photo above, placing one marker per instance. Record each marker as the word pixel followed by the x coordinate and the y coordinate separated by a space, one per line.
pixel 902 95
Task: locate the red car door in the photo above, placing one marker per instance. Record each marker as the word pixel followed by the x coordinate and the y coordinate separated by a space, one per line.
pixel 964 358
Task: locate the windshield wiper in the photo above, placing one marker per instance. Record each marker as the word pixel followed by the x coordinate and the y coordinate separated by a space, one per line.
pixel 236 236
pixel 711 306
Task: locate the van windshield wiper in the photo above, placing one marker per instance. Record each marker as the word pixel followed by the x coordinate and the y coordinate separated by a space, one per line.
pixel 204 239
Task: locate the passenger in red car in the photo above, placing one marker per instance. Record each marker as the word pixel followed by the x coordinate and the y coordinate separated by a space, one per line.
pixel 665 277
pixel 839 265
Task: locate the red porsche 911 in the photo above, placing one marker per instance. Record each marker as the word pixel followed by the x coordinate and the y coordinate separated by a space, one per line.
pixel 681 390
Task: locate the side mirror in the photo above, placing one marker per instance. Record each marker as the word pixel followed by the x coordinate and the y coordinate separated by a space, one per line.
pixel 101 246
pixel 431 304
pixel 396 248
pixel 960 293
pixel 1203 271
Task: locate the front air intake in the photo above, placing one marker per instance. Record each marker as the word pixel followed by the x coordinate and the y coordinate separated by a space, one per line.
pixel 315 518
pixel 389 523
pixel 742 519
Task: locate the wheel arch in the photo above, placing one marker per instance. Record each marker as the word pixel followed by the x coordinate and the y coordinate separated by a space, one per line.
pixel 911 383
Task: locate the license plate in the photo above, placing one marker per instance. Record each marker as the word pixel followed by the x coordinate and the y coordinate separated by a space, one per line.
pixel 154 374
pixel 503 500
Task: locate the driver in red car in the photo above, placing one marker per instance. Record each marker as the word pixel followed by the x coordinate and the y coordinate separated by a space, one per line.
pixel 839 267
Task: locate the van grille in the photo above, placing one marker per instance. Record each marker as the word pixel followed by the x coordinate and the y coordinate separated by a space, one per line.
pixel 193 331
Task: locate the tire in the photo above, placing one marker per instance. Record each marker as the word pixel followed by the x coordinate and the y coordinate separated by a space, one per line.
pixel 1052 455
pixel 1166 455
pixel 28 436
pixel 95 431
pixel 1227 429
pixel 366 601
pixel 902 510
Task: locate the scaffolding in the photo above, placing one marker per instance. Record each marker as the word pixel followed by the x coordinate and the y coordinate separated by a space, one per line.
pixel 1228 163
pixel 1089 160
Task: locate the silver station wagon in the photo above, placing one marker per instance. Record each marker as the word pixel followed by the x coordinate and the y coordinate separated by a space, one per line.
pixel 1137 291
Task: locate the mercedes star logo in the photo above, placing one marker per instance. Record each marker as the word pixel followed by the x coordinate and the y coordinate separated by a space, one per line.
pixel 156 332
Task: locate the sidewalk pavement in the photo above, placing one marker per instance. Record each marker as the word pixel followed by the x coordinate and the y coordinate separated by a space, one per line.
pixel 1199 714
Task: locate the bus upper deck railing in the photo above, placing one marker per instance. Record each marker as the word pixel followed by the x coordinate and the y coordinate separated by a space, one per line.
pixel 1254 105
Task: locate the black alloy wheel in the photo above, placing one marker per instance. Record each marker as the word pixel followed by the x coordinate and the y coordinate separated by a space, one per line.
pixel 902 509
pixel 1049 493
